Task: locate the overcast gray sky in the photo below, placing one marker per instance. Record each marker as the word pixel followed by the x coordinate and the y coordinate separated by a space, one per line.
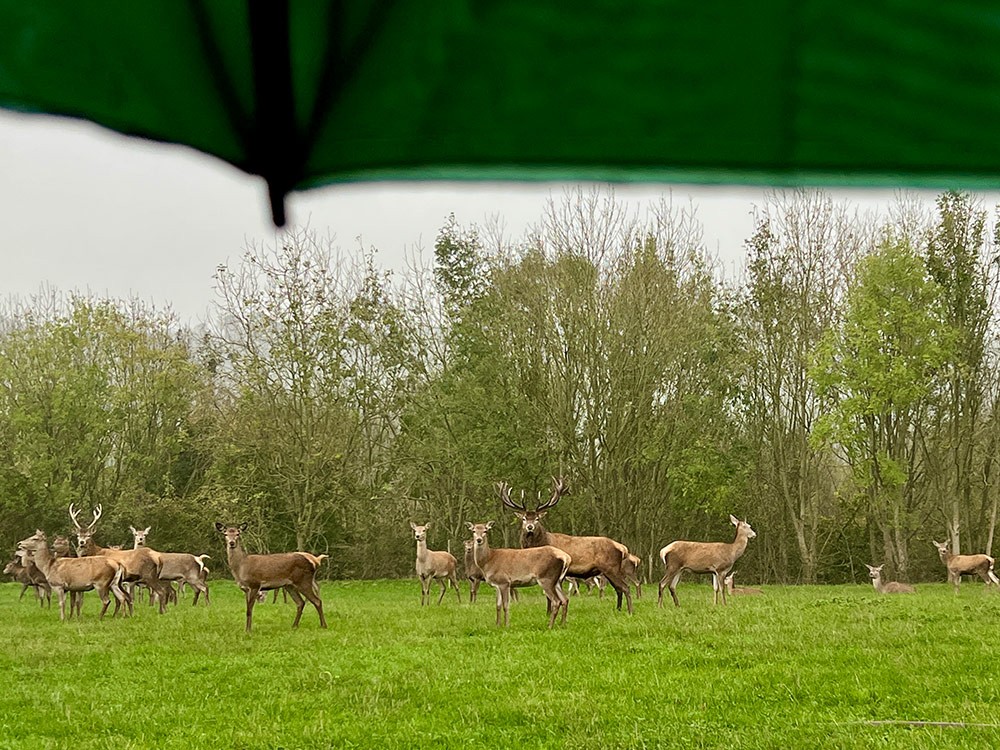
pixel 86 209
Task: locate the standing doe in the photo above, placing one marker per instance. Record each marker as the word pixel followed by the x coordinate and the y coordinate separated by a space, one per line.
pixel 178 566
pixel 293 571
pixel 505 568
pixel 716 558
pixel 433 565
pixel 887 587
pixel 965 565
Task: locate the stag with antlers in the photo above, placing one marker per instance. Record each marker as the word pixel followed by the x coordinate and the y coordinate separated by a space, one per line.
pixel 590 555
pixel 142 565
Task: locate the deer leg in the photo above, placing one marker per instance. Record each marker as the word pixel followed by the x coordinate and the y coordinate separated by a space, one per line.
pixel 105 601
pixel 24 587
pixel 300 604
pixel 454 584
pixel 312 594
pixel 120 599
pixel 621 588
pixel 199 588
pixel 473 589
pixel 62 603
pixel 499 603
pixel 444 588
pixel 251 592
pixel 506 606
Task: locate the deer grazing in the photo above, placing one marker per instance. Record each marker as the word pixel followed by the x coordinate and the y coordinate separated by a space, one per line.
pixel 76 575
pixel 293 571
pixel 887 587
pixel 433 565
pixel 590 555
pixel 24 571
pixel 177 566
pixel 716 558
pixel 504 569
pixel 740 590
pixel 142 565
pixel 966 565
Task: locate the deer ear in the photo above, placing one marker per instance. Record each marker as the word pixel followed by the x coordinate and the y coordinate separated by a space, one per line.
pixel 470 524
pixel 146 530
pixel 489 525
pixel 734 520
pixel 219 526
pixel 413 526
pixel 243 526
pixel 540 515
pixel 427 525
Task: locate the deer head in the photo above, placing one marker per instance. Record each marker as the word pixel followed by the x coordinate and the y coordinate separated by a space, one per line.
pixel 231 533
pixel 85 534
pixel 420 532
pixel 742 526
pixel 531 519
pixel 139 537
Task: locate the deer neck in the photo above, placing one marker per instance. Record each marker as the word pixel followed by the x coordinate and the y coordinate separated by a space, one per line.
pixel 43 558
pixel 421 549
pixel 481 556
pixel 877 583
pixel 538 538
pixel 739 544
pixel 236 556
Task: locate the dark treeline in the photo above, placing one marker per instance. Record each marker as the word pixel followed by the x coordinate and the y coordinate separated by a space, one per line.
pixel 840 393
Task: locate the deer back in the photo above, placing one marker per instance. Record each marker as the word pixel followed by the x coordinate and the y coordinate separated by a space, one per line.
pixel 589 555
pixel 273 571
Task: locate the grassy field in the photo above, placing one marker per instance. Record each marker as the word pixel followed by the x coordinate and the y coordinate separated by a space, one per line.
pixel 797 667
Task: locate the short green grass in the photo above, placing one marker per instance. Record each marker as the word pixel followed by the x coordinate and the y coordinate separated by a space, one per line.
pixel 797 667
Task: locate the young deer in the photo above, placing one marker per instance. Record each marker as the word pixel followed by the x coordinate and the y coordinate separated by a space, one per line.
pixel 177 566
pixel 506 568
pixel 433 565
pixel 293 571
pixel 740 590
pixel 965 565
pixel 716 558
pixel 26 573
pixel 590 555
pixel 890 587
pixel 632 572
pixel 76 575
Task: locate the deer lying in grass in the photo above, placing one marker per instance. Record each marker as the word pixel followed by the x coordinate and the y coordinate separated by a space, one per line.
pixel 177 566
pixel 590 555
pixel 966 565
pixel 293 571
pixel 432 565
pixel 716 558
pixel 142 565
pixel 24 571
pixel 740 590
pixel 887 587
pixel 504 569
pixel 76 575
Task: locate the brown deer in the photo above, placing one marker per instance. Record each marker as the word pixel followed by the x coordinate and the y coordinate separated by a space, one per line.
pixel 965 565
pixel 740 590
pixel 590 555
pixel 76 575
pixel 24 571
pixel 506 568
pixel 142 565
pixel 433 565
pixel 293 571
pixel 716 558
pixel 177 566
pixel 887 587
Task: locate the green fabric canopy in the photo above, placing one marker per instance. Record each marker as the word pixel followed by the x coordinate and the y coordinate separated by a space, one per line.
pixel 307 92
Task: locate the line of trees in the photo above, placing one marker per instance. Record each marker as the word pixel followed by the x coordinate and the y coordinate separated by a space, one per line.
pixel 841 393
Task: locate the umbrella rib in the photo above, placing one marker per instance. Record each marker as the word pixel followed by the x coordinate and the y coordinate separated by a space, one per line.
pixel 340 64
pixel 274 154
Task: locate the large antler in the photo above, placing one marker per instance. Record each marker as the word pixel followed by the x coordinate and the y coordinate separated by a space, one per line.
pixel 558 490
pixel 98 511
pixel 73 513
pixel 503 489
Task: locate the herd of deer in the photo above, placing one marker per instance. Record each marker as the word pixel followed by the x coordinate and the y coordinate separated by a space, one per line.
pixel 545 558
